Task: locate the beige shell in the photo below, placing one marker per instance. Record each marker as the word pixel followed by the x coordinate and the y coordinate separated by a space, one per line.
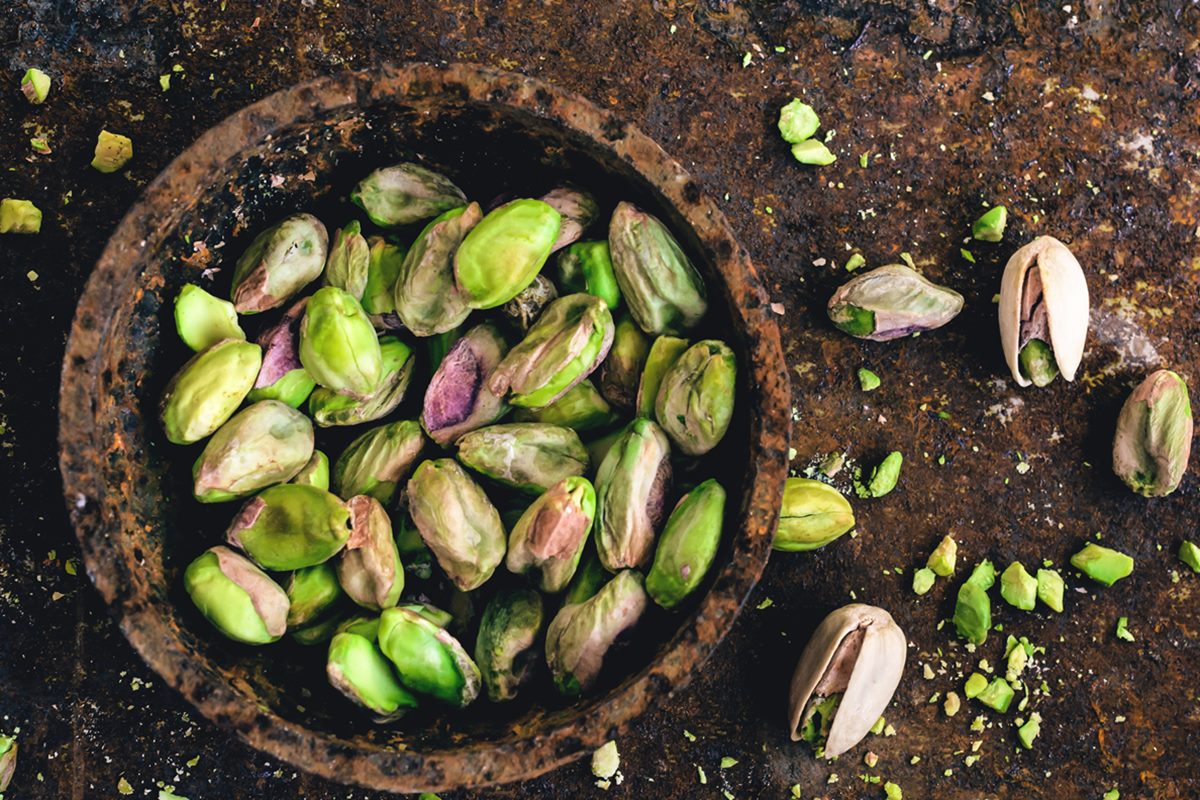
pixel 1065 293
pixel 858 650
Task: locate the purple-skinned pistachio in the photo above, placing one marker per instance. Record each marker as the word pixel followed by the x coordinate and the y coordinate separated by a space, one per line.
pixel 631 489
pixel 580 635
pixel 458 399
pixel 369 567
pixel 282 376
pixel 550 536
pixel 280 262
pixel 578 210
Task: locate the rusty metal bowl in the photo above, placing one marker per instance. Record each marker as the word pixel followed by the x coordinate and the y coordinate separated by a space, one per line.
pixel 128 492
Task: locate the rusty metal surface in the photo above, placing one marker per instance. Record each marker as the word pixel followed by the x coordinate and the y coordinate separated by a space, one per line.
pixel 1084 121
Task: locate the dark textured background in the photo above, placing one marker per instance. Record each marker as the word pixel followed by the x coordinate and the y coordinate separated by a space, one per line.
pixel 1083 119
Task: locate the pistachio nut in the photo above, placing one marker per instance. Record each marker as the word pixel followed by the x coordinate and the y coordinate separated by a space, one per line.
pixel 944 557
pixel 504 648
pixel 280 262
pixel 282 376
pixel 582 409
pixel 973 607
pixel 113 151
pixel 405 193
pixel 524 309
pixel 1050 589
pixel 369 567
pixel 695 399
pixel 631 489
pixel 502 254
pixel 813 515
pixel 291 526
pixel 319 631
pixel 550 535
pixel 990 225
pixel 338 345
pixel 529 456
pixel 564 346
pixel 364 625
pixel 892 301
pixel 688 545
pixel 203 320
pixel 426 298
pixel 8 760
pixel 1102 564
pixel 589 579
pixel 663 353
pixel 208 389
pixel 1043 303
pixel 19 216
pixel 357 668
pixel 458 398
pixel 315 472
pixel 662 288
pixel 598 448
pixel 457 521
pixel 857 652
pixel 35 85
pixel 622 369
pixel 578 210
pixel 330 409
pixel 587 267
pixel 349 260
pixel 312 591
pixel 263 444
pixel 580 635
pixel 427 658
pixel 1018 587
pixel 378 461
pixel 384 260
pixel 238 598
pixel 1154 435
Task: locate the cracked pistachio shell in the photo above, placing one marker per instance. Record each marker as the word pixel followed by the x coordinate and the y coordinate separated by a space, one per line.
pixel 631 489
pixel 587 267
pixel 813 515
pixel 384 260
pixel 524 309
pixel 622 369
pixel 203 320
pixel 504 648
pixel 427 299
pixel 369 567
pixel 695 399
pixel 238 598
pixel 261 445
pixel 892 301
pixel 315 472
pixel 349 260
pixel 8 760
pixel 280 262
pixel 1154 435
pixel 578 210
pixel 405 193
pixel 378 461
pixel 1044 296
pixel 330 409
pixel 458 398
pixel 529 456
pixel 688 545
pixel 858 651
pixel 662 288
pixel 564 346
pixel 457 521
pixel 338 345
pixel 502 254
pixel 282 376
pixel 208 389
pixel 580 635
pixel 427 658
pixel 291 526
pixel 582 409
pixel 663 354
pixel 311 592
pixel 550 535
pixel 357 668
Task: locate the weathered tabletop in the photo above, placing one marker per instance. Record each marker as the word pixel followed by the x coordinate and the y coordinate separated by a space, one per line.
pixel 1082 118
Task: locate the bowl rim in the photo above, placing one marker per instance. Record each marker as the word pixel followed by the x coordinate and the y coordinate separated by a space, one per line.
pixel 81 450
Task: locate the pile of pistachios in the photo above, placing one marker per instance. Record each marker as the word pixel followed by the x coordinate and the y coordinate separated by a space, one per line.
pixel 560 524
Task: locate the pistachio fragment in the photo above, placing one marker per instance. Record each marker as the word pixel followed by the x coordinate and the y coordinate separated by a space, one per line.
pixel 582 409
pixel 631 488
pixel 622 369
pixel 797 121
pixel 580 635
pixel 578 210
pixel 311 592
pixel 529 456
pixel 459 398
pixel 208 389
pixel 329 408
pixel 426 297
pixel 1043 300
pixel 377 462
pixel 35 85
pixel 504 649
pixel 369 568
pixel 550 535
pixel 814 152
pixel 923 580
pixel 263 444
pixel 813 515
pixel 892 301
pixel 1050 589
pixel 973 607
pixel 524 309
pixel 1102 564
pixel 427 658
pixel 688 545
pixel 997 695
pixel 405 193
pixel 19 216
pixel 1018 587
pixel 696 398
pixel 239 599
pixel 990 226
pixel 663 354
pixel 282 377
pixel 502 254
pixel 1153 441
pixel 858 652
pixel 338 345
pixel 944 557
pixel 203 320
pixel 8 760
pixel 113 151
pixel 1189 554
pixel 587 267
pixel 885 476
pixel 279 262
pixel 290 526
pixel 349 260
pixel 357 668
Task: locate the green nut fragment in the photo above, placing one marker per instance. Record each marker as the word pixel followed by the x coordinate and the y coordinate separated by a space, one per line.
pixel 622 369
pixel 884 476
pixel 578 210
pixel 696 397
pixel 1018 587
pixel 405 193
pixel 606 761
pixel 338 345
pixel 504 649
pixel 550 535
pixel 238 598
pixel 427 658
pixel 311 592
pixel 349 260
pixel 632 484
pixel 263 444
pixel 998 695
pixel 357 668
pixel 663 354
pixel 1123 632
pixel 329 408
pixel 377 462
pixel 1154 435
pixel 369 567
pixel 797 121
pixel 1037 363
pixel 687 546
pixel 892 791
pixel 8 760
pixel 990 226
pixel 944 557
pixel 662 288
pixel 1102 564
pixel 1189 554
pixel 892 301
pixel 315 472
pixel 208 389
pixel 290 526
pixel 582 409
pixel 814 152
pixel 282 376
pixel 973 612
pixel 587 267
pixel 923 579
pixel 458 398
pixel 113 151
pixel 279 262
pixel 1018 659
pixel 580 635
pixel 975 685
pixel 19 216
pixel 528 456
pixel 1030 730
pixel 1112 794
pixel 35 85
pixel 384 260
pixel 855 261
pixel 457 521
pixel 426 298
pixel 524 309
pixel 502 254
pixel 1050 589
pixel 813 515
pixel 984 575
pixel 203 320
pixel 868 380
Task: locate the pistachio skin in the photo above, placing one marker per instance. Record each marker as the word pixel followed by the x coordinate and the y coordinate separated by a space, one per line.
pixel 239 599
pixel 587 267
pixel 631 488
pixel 577 209
pixel 427 658
pixel 369 568
pixel 378 461
pixel 203 320
pixel 582 409
pixel 813 515
pixel 263 444
pixel 663 353
pixel 330 409
pixel 1153 441
pixel 890 302
pixel 338 345
pixel 279 262
pixel 290 526
pixel 524 309
pixel 528 456
pixel 551 534
pixel 358 669
pixel 282 377
pixel 696 398
pixel 458 399
pixel 405 193
pixel 311 592
pixel 580 635
pixel 688 545
pixel 349 260
pixel 208 389
pixel 504 648
pixel 502 254
pixel 622 369
pixel 426 297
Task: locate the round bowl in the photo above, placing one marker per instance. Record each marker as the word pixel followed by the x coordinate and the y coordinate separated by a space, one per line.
pixel 128 489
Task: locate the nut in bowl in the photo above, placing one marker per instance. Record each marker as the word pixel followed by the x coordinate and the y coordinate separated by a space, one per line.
pixel 368 641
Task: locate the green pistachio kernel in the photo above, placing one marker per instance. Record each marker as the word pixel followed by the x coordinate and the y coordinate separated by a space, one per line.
pixel 19 216
pixel 923 580
pixel 1018 587
pixel 203 320
pixel 868 380
pixel 1189 554
pixel 884 476
pixel 1102 564
pixel 797 121
pixel 813 152
pixel 990 226
pixel 35 85
pixel 1050 589
pixel 998 695
pixel 944 557
pixel 113 151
